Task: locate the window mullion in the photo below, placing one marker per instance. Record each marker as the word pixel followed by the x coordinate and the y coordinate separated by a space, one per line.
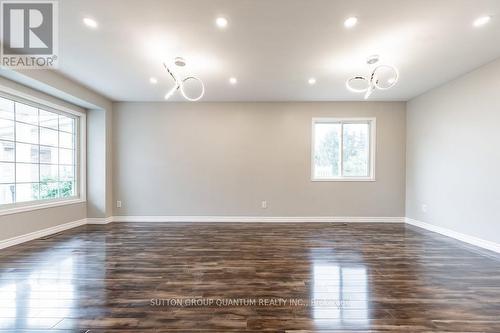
pixel 369 157
pixel 58 156
pixel 15 156
pixel 39 168
pixel 76 161
pixel 341 149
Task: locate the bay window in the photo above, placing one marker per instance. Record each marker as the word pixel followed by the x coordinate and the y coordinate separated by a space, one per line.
pixel 39 153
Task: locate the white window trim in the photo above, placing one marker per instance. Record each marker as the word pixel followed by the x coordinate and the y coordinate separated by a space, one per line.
pixel 373 148
pixel 34 205
pixel 81 196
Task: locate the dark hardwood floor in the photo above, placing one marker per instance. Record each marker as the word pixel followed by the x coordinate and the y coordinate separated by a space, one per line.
pixel 314 277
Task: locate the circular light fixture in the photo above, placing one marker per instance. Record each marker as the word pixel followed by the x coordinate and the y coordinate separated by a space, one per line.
pixel 91 23
pixel 312 81
pixel 350 22
pixel 187 82
pixel 480 21
pixel 385 77
pixel 382 77
pixel 221 22
pixel 192 79
pixel 357 84
pixel 153 80
pixel 233 80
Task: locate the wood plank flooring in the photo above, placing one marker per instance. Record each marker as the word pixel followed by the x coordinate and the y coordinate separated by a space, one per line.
pixel 297 277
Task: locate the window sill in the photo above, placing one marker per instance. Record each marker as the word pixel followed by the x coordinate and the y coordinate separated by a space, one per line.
pixel 44 205
pixel 344 180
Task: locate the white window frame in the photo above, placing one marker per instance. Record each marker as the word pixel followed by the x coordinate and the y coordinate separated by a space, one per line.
pixel 81 149
pixel 372 148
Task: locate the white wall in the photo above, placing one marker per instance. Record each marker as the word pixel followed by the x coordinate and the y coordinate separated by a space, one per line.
pixel 453 155
pixel 18 224
pixel 223 159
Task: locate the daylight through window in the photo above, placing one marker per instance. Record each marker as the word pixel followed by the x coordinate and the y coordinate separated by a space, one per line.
pixel 38 153
pixel 343 149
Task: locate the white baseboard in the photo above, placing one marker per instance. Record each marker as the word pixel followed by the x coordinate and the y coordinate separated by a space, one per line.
pixel 41 233
pixel 275 219
pixel 99 220
pixel 195 219
pixel 492 246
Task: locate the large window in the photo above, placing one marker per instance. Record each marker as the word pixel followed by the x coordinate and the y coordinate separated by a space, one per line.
pixel 38 153
pixel 343 149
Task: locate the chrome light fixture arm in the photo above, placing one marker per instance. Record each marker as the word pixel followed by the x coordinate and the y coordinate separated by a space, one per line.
pixel 176 83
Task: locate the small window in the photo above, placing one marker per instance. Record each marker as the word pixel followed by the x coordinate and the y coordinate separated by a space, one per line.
pixel 39 151
pixel 343 149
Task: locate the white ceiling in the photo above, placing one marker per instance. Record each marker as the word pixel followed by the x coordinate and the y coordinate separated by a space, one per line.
pixel 273 46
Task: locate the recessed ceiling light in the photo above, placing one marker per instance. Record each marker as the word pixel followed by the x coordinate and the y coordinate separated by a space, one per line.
pixel 350 22
pixel 153 80
pixel 90 22
pixel 233 80
pixel 480 21
pixel 312 81
pixel 221 22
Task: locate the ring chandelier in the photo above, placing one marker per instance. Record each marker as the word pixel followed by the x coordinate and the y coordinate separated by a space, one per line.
pixel 382 77
pixel 179 84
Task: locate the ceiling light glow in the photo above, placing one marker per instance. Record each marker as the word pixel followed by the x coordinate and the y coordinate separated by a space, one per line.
pixel 153 80
pixel 312 81
pixel 480 21
pixel 221 22
pixel 350 22
pixel 233 80
pixel 90 22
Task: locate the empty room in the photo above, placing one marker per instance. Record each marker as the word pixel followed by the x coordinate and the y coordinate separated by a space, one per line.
pixel 288 166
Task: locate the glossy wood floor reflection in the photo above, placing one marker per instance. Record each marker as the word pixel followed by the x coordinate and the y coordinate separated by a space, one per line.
pixel 329 278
